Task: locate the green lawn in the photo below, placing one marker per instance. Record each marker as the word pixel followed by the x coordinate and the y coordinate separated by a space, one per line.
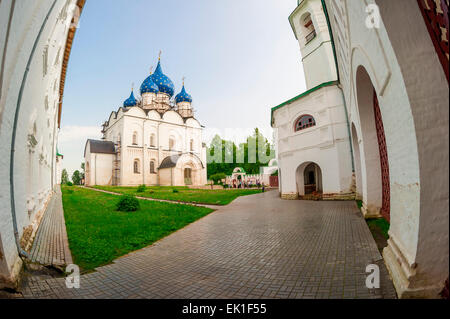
pixel 98 233
pixel 184 194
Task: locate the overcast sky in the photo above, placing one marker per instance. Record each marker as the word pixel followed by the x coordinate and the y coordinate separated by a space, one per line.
pixel 239 57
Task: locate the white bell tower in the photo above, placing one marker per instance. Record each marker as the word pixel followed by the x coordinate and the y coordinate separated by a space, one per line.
pixel 311 30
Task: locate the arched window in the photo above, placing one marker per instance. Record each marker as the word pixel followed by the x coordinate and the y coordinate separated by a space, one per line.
pixel 308 28
pixel 152 140
pixel 152 167
pixel 136 166
pixel 304 122
pixel 135 138
pixel 192 145
pixel 171 143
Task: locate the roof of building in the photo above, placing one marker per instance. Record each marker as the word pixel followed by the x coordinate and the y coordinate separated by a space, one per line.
pixel 131 101
pixel 164 83
pixel 101 147
pixel 170 161
pixel 300 96
pixel 149 86
pixel 183 96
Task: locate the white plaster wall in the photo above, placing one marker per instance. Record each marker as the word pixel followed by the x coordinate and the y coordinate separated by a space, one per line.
pixel 326 144
pixel 34 166
pixel 318 58
pixel 414 219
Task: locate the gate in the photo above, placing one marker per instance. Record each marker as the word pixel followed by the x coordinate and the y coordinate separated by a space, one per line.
pixel 386 187
pixel 273 181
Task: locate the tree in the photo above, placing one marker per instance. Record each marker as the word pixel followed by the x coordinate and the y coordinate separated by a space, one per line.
pixel 64 177
pixel 82 170
pixel 253 159
pixel 76 177
pixel 218 177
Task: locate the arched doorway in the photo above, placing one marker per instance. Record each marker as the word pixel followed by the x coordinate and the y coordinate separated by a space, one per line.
pixel 309 180
pixel 376 183
pixel 188 176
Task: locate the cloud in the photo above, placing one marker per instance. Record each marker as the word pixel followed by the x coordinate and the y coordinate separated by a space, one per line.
pixel 75 133
pixel 71 142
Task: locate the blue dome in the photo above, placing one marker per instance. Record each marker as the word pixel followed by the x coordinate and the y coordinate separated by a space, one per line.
pixel 183 96
pixel 131 101
pixel 148 86
pixel 165 85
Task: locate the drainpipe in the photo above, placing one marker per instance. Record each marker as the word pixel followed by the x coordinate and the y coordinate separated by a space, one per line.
pixel 22 253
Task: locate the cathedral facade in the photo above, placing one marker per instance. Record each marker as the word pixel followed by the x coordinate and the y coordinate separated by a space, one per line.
pixel 151 140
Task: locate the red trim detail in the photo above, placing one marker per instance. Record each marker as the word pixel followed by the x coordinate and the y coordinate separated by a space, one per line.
pixel 436 20
pixel 384 161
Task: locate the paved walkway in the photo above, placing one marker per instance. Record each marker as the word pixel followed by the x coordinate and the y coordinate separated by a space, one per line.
pixel 50 246
pixel 259 246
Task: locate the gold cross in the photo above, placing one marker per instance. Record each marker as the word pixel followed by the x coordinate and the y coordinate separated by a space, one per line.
pixel 159 57
pixel 184 78
pixel 151 70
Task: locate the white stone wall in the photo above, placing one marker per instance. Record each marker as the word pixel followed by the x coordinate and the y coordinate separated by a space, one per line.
pixel 326 144
pixel 29 39
pixel 317 54
pixel 398 60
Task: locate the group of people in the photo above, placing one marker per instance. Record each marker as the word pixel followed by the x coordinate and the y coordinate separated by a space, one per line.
pixel 245 184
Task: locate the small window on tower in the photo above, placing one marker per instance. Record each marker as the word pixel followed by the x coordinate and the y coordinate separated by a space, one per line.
pixel 171 144
pixel 308 28
pixel 134 142
pixel 192 145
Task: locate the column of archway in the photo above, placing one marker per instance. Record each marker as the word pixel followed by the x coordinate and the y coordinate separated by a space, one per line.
pixel 357 161
pixel 427 89
pixel 369 161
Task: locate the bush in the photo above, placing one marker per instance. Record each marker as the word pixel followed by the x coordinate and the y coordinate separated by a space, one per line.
pixel 128 203
pixel 141 189
pixel 175 190
pixel 69 184
pixel 217 178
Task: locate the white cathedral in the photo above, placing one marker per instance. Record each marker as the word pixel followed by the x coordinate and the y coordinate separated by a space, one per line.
pixel 151 140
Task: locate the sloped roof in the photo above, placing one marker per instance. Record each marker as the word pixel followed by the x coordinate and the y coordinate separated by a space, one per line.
pixel 101 147
pixel 169 161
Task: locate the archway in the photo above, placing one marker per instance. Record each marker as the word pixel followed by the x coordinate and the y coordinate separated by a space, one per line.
pixel 309 179
pixel 357 161
pixel 375 168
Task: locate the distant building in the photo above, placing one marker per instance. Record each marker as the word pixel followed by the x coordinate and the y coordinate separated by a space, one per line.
pixel 153 140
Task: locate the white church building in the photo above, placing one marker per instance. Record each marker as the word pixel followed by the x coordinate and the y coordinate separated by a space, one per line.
pixel 152 140
pixel 311 129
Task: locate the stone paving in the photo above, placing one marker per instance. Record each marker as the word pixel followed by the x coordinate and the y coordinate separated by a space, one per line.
pixel 259 246
pixel 51 247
